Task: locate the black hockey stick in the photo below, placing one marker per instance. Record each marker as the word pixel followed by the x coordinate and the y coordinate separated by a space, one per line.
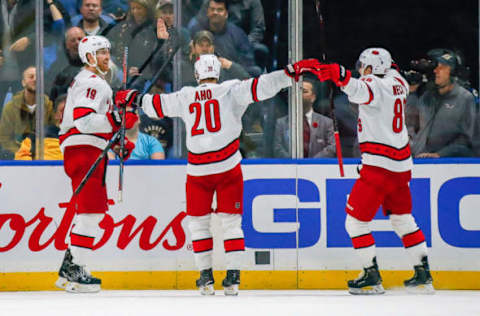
pixel 122 129
pixel 94 166
pixel 323 42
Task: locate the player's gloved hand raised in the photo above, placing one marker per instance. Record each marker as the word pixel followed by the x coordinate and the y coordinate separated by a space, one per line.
pixel 335 72
pixel 115 120
pixel 128 98
pixel 130 119
pixel 301 67
pixel 127 149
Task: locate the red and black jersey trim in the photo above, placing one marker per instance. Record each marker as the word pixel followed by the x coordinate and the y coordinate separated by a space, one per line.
pixel 81 241
pixel 370 95
pixel 237 244
pixel 214 156
pixel 412 239
pixel 254 90
pixel 80 112
pixel 157 105
pixel 389 152
pixel 202 245
pixel 75 131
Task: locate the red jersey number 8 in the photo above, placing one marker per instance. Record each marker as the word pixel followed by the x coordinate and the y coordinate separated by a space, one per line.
pixel 397 123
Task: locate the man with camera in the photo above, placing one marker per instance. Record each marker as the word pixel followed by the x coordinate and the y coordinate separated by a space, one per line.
pixel 446 112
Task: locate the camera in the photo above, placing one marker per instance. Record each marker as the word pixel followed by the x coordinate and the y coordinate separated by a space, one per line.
pixel 419 71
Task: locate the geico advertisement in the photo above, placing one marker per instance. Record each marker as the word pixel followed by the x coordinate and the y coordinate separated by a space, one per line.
pixel 293 213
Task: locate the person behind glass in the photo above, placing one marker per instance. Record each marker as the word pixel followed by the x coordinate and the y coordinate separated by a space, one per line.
pixel 212 113
pixel 230 41
pixel 67 64
pixel 386 168
pixel 51 143
pixel 18 115
pixel 146 147
pixel 88 124
pixel 446 113
pixel 318 139
pixel 91 20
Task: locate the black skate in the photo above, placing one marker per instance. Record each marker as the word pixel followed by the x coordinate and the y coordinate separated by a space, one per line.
pixel 368 283
pixel 231 282
pixel 62 273
pixel 81 281
pixel 206 281
pixel 421 282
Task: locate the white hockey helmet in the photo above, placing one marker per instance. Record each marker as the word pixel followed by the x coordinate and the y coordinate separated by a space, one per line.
pixel 91 44
pixel 207 66
pixel 378 58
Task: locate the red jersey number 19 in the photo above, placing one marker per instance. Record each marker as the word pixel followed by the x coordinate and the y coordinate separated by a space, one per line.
pixel 212 124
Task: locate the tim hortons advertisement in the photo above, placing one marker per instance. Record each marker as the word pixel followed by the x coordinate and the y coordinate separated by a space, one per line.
pixel 293 219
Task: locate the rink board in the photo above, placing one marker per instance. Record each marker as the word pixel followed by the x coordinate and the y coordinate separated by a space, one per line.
pixel 293 222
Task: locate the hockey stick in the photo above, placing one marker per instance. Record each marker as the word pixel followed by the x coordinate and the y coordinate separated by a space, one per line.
pixel 94 166
pixel 323 42
pixel 122 129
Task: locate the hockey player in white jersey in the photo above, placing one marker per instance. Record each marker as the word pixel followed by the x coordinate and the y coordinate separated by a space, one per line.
pixel 213 119
pixel 89 122
pixel 381 94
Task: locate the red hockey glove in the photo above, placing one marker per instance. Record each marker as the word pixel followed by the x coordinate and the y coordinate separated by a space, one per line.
pixel 301 67
pixel 130 119
pixel 335 72
pixel 128 98
pixel 127 149
pixel 115 120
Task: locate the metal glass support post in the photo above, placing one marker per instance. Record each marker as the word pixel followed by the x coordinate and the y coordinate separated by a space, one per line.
pixel 40 109
pixel 178 129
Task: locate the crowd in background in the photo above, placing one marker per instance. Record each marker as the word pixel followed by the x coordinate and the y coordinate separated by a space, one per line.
pixel 442 113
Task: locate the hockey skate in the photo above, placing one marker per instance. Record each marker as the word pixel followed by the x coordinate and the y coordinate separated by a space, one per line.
pixel 231 282
pixel 81 281
pixel 62 273
pixel 206 281
pixel 368 283
pixel 421 282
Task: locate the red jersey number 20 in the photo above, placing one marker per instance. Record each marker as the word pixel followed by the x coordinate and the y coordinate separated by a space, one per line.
pixel 210 113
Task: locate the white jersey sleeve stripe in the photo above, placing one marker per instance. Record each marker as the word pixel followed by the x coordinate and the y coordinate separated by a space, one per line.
pixel 80 112
pixel 254 90
pixel 157 105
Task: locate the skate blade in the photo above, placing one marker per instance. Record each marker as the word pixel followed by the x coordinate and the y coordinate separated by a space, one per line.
pixel 367 290
pixel 231 290
pixel 73 287
pixel 207 290
pixel 424 289
pixel 61 282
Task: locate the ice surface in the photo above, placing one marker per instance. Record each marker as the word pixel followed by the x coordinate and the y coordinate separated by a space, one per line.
pixel 248 303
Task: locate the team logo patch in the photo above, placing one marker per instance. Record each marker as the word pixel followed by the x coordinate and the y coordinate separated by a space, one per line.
pixel 449 106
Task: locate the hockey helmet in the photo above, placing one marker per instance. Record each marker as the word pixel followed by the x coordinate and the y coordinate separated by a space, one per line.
pixel 207 66
pixel 378 58
pixel 91 44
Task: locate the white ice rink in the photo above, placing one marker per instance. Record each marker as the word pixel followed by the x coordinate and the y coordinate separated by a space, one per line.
pixel 248 303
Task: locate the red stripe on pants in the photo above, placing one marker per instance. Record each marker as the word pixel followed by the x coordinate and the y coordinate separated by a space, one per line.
pixel 413 239
pixel 202 245
pixel 81 241
pixel 234 244
pixel 363 241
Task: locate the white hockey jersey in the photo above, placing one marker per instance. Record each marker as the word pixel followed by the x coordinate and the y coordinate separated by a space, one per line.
pixel 382 132
pixel 213 117
pixel 84 121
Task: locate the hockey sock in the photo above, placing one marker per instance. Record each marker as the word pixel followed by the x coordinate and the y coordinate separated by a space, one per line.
pixel 362 240
pixel 412 237
pixel 202 241
pixel 83 235
pixel 233 240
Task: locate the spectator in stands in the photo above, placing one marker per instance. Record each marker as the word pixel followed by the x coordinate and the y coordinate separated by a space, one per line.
pixel 66 66
pixel 446 114
pixel 203 43
pixel 146 147
pixel 318 139
pixel 138 34
pixel 51 147
pixel 190 9
pixel 161 129
pixel 230 41
pixel 91 20
pixel 18 116
pixel 248 15
pixel 116 9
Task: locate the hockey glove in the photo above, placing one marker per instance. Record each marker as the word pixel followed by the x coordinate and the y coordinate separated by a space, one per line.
pixel 130 119
pixel 115 120
pixel 301 67
pixel 127 149
pixel 128 98
pixel 335 72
